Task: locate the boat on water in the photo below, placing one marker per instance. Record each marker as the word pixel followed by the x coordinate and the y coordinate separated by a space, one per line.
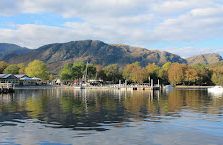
pixel 168 88
pixel 216 90
pixel 79 87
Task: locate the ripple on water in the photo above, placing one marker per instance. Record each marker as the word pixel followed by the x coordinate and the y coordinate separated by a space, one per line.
pixel 66 116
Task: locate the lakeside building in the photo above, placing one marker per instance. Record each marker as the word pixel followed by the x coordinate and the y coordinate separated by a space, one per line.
pixel 9 78
pixel 21 79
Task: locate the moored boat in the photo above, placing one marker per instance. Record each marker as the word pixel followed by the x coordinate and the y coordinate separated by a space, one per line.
pixel 168 88
pixel 216 90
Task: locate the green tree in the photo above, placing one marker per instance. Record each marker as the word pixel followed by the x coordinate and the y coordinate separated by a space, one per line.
pixel 66 72
pixel 113 73
pixel 22 68
pixel 78 69
pixel 3 66
pixel 11 69
pixel 163 73
pixel 91 71
pixel 166 66
pixel 37 68
pixel 100 74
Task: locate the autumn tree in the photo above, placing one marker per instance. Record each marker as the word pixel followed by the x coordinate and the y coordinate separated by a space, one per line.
pixel 217 78
pixel 37 68
pixel 204 74
pixel 217 74
pixel 191 75
pixel 176 73
pixel 152 70
pixel 134 72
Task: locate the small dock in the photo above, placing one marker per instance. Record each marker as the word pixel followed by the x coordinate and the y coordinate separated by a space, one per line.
pixel 6 88
pixel 120 87
pixel 137 87
pixel 123 86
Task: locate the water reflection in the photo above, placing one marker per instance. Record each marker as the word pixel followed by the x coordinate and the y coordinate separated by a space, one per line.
pixel 59 115
pixel 87 109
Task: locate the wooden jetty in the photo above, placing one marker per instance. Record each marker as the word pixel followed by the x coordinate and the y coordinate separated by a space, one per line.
pixel 124 86
pixel 6 88
pixel 150 86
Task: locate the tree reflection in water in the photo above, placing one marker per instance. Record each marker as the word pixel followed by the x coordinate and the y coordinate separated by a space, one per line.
pixel 91 109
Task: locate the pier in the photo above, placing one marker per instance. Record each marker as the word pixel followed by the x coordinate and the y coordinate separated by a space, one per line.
pixel 149 86
pixel 6 88
pixel 123 86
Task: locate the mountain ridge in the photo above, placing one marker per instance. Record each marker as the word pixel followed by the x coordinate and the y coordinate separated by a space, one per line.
pixel 208 58
pixel 8 50
pixel 93 51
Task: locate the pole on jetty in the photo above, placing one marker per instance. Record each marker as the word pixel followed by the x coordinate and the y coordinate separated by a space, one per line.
pixel 151 83
pixel 158 83
pixel 119 84
pixel 125 84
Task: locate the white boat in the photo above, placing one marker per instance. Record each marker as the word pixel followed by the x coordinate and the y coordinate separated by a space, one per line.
pixel 168 88
pixel 216 90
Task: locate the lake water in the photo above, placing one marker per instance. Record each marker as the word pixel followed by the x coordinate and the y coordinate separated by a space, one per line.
pixel 88 117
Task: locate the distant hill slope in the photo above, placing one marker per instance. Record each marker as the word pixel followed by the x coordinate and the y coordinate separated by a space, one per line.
pixel 210 58
pixel 94 51
pixel 11 50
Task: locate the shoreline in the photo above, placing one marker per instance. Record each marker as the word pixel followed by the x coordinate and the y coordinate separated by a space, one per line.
pixel 192 87
pixel 106 87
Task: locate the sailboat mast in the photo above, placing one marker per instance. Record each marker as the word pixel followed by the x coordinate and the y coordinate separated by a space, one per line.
pixel 85 79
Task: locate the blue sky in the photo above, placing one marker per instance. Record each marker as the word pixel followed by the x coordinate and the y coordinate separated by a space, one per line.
pixel 183 27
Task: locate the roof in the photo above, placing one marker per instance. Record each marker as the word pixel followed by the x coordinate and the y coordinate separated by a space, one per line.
pixel 35 78
pixel 26 78
pixel 6 76
pixel 2 75
pixel 21 76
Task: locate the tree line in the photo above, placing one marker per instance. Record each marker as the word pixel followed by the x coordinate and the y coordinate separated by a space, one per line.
pixel 35 68
pixel 168 73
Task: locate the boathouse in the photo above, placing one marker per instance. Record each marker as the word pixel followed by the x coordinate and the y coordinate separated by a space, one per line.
pixel 9 78
pixel 25 80
pixel 20 79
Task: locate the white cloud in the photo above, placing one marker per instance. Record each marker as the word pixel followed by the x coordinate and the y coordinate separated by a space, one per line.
pixel 177 6
pixel 140 22
pixel 196 24
pixel 72 8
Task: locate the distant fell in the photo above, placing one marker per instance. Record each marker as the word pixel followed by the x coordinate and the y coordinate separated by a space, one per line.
pixel 210 58
pixel 8 50
pixel 95 51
